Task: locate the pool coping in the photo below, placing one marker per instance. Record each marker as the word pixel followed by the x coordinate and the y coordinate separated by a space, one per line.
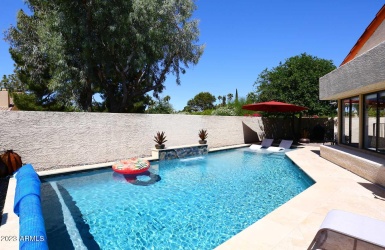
pixel 292 225
pixel 10 221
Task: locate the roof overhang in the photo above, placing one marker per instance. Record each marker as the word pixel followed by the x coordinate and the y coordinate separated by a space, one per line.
pixel 378 19
pixel 364 74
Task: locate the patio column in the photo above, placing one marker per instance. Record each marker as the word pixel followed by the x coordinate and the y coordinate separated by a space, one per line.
pixel 361 121
pixel 340 121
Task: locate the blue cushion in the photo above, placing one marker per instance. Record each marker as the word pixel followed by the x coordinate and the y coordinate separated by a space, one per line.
pixel 28 182
pixel 28 207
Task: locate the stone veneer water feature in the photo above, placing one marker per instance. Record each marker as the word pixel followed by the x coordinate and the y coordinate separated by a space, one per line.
pixel 180 152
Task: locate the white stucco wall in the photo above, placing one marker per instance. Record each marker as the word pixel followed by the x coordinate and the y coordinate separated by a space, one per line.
pixel 51 140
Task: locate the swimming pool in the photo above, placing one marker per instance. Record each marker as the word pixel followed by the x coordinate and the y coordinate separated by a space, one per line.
pixel 195 203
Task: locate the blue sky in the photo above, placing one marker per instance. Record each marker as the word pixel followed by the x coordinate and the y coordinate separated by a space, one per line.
pixel 244 37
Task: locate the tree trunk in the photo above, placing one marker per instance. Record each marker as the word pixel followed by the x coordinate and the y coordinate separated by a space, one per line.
pixel 111 101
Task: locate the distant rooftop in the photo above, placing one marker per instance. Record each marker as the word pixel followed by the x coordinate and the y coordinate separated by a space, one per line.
pixel 6 102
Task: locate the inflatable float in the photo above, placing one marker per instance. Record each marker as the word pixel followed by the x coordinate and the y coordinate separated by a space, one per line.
pixel 133 171
pixel 143 179
pixel 131 166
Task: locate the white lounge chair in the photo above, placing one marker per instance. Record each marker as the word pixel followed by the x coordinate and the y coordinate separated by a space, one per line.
pixel 285 144
pixel 267 148
pixel 266 143
pixel 345 230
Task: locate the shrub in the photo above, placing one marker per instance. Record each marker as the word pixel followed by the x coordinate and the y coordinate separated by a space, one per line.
pixel 224 111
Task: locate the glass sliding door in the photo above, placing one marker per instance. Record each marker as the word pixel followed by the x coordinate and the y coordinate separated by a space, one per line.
pixel 370 128
pixel 350 121
pixel 381 123
pixel 374 122
pixel 345 121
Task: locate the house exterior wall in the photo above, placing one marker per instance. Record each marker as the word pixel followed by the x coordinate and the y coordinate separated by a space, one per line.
pixel 377 38
pixel 364 74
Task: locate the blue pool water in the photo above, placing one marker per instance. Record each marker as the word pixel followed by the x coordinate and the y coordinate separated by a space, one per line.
pixel 188 204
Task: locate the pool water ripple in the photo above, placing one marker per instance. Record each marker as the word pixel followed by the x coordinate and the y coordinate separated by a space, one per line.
pixel 197 204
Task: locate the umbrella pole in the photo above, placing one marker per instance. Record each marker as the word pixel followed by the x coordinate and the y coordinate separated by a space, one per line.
pixel 300 126
pixel 293 128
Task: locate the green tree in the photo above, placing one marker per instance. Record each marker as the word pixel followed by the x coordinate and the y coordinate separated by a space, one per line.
pixel 11 83
pixel 251 98
pixel 296 81
pixel 167 98
pixel 223 100
pixel 3 82
pixel 161 106
pixel 33 68
pixel 220 100
pixel 229 97
pixel 235 107
pixel 202 101
pixel 120 49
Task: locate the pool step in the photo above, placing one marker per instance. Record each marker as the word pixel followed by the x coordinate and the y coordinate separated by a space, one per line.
pixel 69 221
pixel 277 155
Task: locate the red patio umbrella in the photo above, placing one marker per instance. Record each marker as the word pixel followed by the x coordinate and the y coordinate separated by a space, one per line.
pixel 273 106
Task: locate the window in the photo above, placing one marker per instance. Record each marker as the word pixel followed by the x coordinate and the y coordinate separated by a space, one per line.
pixel 350 121
pixel 374 124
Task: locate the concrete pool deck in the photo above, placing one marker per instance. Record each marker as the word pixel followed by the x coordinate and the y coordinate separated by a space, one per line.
pixel 294 224
pixel 291 226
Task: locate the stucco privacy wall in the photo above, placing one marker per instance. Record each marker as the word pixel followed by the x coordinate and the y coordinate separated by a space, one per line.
pixel 362 75
pixel 54 140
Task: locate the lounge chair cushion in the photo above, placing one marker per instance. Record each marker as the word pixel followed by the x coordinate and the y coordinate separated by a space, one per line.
pixel 265 144
pixel 286 144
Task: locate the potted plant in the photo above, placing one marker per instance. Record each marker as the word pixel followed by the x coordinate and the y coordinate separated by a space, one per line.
pixel 305 136
pixel 11 160
pixel 160 139
pixel 203 135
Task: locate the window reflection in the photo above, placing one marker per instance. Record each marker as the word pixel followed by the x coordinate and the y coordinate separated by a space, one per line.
pixel 370 121
pixel 350 121
pixel 374 125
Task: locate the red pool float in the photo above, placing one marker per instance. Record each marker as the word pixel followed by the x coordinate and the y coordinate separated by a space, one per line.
pixel 131 166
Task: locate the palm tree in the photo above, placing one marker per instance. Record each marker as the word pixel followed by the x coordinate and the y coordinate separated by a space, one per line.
pixel 167 98
pixel 220 99
pixel 229 97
